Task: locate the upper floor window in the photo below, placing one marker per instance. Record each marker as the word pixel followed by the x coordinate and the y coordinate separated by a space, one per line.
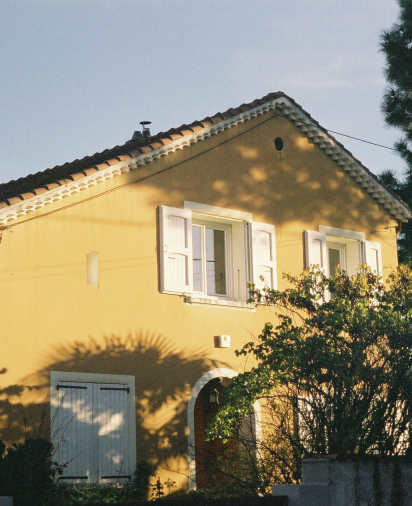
pixel 210 258
pixel 331 248
pixel 212 252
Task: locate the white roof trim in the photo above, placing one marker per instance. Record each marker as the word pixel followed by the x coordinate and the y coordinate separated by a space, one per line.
pixel 282 105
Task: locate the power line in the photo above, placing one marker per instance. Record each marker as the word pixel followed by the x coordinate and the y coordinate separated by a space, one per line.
pixel 333 132
pixel 362 140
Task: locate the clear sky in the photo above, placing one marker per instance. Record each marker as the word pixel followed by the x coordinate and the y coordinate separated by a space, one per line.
pixel 77 76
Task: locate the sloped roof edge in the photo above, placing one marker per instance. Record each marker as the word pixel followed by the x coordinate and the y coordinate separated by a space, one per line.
pixel 20 197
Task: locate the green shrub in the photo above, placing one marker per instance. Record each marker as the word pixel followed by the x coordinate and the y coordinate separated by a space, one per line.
pixel 26 472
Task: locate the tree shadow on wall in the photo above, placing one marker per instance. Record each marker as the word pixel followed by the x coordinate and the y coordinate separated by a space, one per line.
pixel 164 376
pixel 20 419
pixel 302 184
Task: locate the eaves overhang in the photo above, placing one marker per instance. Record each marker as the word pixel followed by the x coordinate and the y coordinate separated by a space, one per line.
pixel 279 104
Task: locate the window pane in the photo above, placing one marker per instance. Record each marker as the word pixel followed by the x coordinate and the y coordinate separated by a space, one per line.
pixel 197 259
pixel 215 261
pixel 334 260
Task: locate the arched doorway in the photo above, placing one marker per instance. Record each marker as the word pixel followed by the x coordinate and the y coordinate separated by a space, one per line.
pixel 204 381
pixel 207 404
pixel 198 390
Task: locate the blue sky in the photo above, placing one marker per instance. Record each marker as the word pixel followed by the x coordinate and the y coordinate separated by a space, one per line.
pixel 77 77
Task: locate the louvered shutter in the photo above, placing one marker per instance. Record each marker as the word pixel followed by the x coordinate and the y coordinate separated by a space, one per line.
pixel 92 438
pixel 263 255
pixel 371 255
pixel 111 430
pixel 315 250
pixel 74 447
pixel 175 244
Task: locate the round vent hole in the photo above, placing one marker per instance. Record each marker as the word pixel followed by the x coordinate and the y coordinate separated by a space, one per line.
pixel 279 144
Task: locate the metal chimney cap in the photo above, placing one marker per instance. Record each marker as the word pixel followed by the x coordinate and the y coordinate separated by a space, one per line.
pixel 144 123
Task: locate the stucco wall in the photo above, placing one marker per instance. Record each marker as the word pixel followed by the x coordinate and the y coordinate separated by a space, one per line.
pixel 372 482
pixel 53 320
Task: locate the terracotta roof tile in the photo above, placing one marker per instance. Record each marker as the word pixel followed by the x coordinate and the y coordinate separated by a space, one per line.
pixel 39 191
pixel 186 131
pixel 78 175
pixel 124 157
pixel 87 172
pixel 226 115
pixel 101 166
pixel 217 118
pixel 196 128
pixel 145 149
pixel 166 140
pixel 207 122
pixel 3 204
pixel 113 161
pixel 156 145
pixel 14 200
pixel 27 195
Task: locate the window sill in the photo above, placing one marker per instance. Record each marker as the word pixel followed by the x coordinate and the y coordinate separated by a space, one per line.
pixel 190 299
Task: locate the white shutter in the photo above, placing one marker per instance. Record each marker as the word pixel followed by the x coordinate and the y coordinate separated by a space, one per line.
pixel 371 255
pixel 74 445
pixel 263 255
pixel 175 244
pixel 315 250
pixel 92 438
pixel 111 432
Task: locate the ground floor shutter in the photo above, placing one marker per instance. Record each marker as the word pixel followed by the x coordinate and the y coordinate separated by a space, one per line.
pixel 111 428
pixel 92 433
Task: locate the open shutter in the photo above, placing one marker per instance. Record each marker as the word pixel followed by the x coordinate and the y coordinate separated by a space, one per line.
pixel 74 441
pixel 110 422
pixel 315 250
pixel 371 255
pixel 263 255
pixel 175 250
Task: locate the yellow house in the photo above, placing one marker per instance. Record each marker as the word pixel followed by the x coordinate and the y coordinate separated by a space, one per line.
pixel 123 277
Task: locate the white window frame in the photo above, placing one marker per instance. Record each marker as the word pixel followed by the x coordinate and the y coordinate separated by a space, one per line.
pixel 240 268
pixel 227 229
pixel 357 248
pixel 128 382
pixel 341 247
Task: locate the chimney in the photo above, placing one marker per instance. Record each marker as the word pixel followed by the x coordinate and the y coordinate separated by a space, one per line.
pixel 137 135
pixel 146 131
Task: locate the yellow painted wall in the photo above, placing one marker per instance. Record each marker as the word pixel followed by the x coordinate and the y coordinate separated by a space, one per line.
pixel 52 320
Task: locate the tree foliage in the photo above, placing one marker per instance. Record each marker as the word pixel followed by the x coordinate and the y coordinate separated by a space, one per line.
pixel 332 372
pixel 27 472
pixel 396 44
